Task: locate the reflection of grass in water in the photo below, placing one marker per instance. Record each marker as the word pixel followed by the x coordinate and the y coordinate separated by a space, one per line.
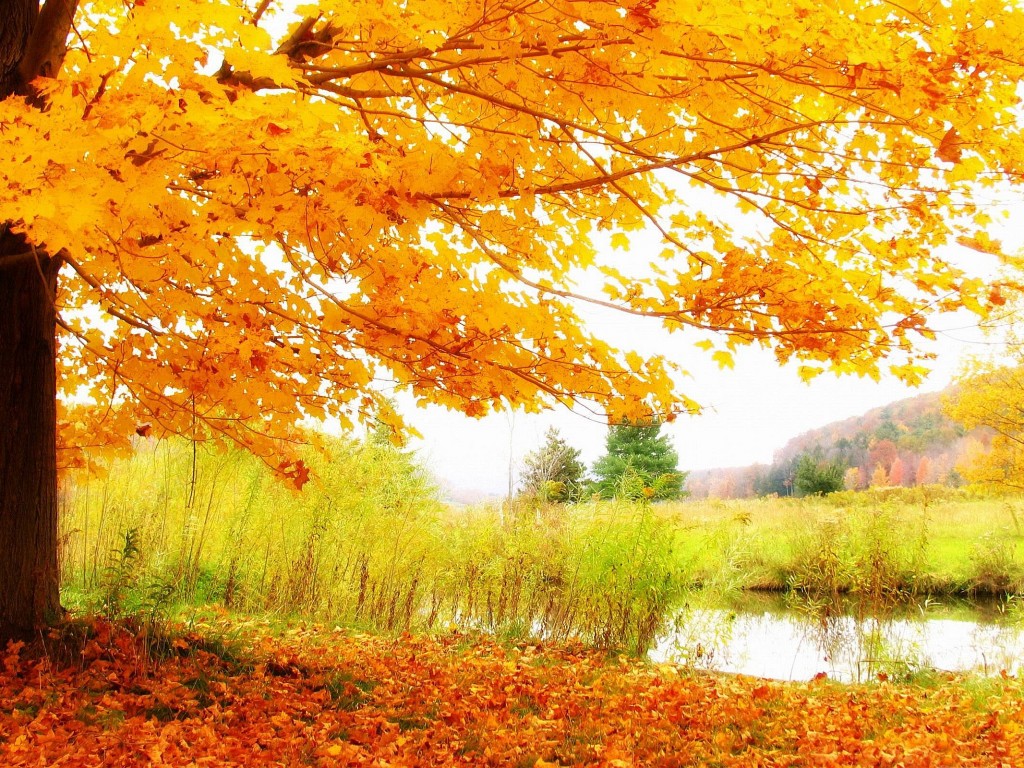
pixel 881 653
pixel 857 572
pixel 701 632
pixel 759 634
pixel 853 632
pixel 1013 609
pixel 893 646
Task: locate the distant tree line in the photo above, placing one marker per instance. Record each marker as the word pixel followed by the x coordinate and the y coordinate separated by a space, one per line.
pixel 904 444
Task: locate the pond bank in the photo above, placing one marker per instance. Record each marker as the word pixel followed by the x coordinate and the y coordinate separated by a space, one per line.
pixel 784 637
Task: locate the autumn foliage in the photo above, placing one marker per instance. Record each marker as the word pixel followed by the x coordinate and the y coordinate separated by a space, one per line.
pixel 221 219
pixel 990 397
pixel 329 698
pixel 270 211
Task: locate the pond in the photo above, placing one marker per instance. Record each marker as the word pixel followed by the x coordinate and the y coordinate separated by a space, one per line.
pixel 774 636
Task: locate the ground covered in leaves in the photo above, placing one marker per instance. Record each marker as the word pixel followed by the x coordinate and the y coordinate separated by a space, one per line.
pixel 233 694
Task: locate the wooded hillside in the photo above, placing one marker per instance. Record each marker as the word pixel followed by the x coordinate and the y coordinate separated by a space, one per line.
pixel 906 443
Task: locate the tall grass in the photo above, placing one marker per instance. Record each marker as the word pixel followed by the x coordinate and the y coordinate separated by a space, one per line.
pixel 366 543
pixel 219 527
pixel 907 541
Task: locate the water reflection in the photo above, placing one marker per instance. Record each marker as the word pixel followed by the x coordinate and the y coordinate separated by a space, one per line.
pixel 779 641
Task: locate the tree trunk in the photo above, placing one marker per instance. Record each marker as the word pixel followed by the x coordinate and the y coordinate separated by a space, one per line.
pixel 17 18
pixel 33 41
pixel 29 578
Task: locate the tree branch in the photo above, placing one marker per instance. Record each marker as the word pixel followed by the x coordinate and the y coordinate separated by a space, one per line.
pixel 135 322
pixel 264 4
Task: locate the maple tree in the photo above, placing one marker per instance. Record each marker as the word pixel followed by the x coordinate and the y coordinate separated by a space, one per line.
pixel 992 396
pixel 989 397
pixel 221 218
pixel 897 472
pixel 923 475
pixel 879 477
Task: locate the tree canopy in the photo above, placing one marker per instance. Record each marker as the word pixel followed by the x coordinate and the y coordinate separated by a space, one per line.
pixel 274 210
pixel 259 210
pixel 991 396
pixel 816 476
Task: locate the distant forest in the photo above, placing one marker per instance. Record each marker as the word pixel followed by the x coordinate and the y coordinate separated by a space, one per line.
pixel 906 443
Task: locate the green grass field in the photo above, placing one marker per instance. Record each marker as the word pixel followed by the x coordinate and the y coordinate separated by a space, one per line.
pixel 928 541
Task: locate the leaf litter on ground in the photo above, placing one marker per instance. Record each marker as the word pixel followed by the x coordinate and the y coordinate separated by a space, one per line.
pixel 237 694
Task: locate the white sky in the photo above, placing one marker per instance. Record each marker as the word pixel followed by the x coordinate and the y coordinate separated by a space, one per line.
pixel 750 412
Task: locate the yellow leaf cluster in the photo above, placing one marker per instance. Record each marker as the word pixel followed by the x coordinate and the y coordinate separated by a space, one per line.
pixel 262 219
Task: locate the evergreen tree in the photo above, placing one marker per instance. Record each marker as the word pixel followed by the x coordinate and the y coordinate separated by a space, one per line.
pixel 817 477
pixel 554 471
pixel 639 462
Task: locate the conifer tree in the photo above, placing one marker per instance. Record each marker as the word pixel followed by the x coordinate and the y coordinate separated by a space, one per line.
pixel 554 471
pixel 639 462
pixel 817 477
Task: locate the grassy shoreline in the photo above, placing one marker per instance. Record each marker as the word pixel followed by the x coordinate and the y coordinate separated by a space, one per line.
pixel 368 545
pixel 915 542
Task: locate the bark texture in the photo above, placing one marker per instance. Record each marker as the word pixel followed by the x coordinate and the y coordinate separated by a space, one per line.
pixel 17 19
pixel 30 44
pixel 29 578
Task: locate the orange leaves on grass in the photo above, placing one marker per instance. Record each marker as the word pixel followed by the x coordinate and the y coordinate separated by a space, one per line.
pixel 324 698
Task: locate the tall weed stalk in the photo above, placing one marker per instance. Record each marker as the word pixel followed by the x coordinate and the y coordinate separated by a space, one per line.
pixel 367 544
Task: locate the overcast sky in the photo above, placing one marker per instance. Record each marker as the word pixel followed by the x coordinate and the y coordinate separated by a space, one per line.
pixel 750 412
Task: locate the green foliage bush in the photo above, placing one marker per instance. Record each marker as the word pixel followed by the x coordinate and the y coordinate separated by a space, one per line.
pixel 553 472
pixel 816 477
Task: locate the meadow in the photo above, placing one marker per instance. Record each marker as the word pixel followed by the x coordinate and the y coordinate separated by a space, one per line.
pixel 219 617
pixel 367 545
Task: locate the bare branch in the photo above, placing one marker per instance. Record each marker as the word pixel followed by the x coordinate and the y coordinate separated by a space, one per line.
pixel 135 322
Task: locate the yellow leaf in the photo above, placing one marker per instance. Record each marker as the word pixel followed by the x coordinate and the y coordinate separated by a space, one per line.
pixel 808 372
pixel 277 183
pixel 724 359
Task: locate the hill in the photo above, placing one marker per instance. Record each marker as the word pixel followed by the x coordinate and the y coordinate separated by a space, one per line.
pixel 908 442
